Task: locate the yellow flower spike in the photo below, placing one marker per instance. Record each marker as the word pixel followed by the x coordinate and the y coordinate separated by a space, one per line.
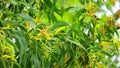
pixel 1 15
pixel 91 7
pixel 110 22
pixel 117 14
pixel 95 32
pixel 94 55
pixel 38 5
pixel 66 58
pixel 112 2
pixel 46 35
pixel 99 65
pixel 42 1
pixel 33 19
pixel 83 57
pixel 5 56
pixel 61 46
pixel 38 35
pixel 106 45
pixel 13 58
pixel 38 29
pixel 37 20
pixel 8 57
pixel 118 26
pixel 103 30
pixel 8 49
pixel 36 38
pixel 44 32
pixel 116 41
pixel 6 27
pixel 45 29
pixel 27 25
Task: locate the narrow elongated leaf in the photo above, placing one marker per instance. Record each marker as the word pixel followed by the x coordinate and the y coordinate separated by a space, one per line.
pixel 12 2
pixel 76 9
pixel 22 42
pixel 106 52
pixel 28 18
pixel 59 24
pixel 109 6
pixel 36 62
pixel 76 43
pixel 10 42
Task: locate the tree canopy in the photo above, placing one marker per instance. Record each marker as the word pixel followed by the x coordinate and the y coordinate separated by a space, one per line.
pixel 59 34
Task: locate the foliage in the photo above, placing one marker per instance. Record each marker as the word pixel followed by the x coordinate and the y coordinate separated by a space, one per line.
pixel 57 34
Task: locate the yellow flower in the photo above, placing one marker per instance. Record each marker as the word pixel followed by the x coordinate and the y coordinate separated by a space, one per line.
pixel 13 58
pixel 66 58
pixel 46 35
pixel 6 56
pixel 118 26
pixel 83 57
pixel 8 49
pixel 36 38
pixel 110 22
pixel 117 14
pixel 106 45
pixel 1 15
pixel 61 46
pixel 116 41
pixel 7 27
pixel 38 5
pixel 27 25
pixel 103 30
pixel 112 2
pixel 95 32
pixel 36 20
pixel 99 65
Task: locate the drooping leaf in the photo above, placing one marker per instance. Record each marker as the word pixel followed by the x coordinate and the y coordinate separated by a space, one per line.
pixel 76 43
pixel 36 62
pixel 22 42
pixel 59 24
pixel 28 18
pixel 109 6
pixel 12 2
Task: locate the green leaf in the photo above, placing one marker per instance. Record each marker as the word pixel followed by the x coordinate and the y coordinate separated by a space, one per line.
pixel 58 17
pixel 87 19
pixel 108 5
pixel 76 43
pixel 103 17
pixel 11 43
pixel 28 18
pixel 12 2
pixel 22 42
pixel 75 9
pixel 67 17
pixel 31 1
pixel 36 62
pixel 106 52
pixel 59 24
